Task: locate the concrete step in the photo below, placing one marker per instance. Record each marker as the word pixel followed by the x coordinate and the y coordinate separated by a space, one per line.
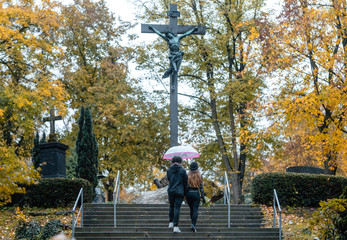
pixel 160 205
pixel 165 217
pixel 172 234
pixel 182 224
pixel 174 237
pixel 164 207
pixel 150 221
pixel 182 220
pixel 184 228
pixel 165 213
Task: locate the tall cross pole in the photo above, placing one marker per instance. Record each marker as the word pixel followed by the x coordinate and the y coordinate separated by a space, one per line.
pixel 51 119
pixel 170 34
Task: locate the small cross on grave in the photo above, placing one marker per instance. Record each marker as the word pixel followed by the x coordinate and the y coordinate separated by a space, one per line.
pixel 169 33
pixel 52 118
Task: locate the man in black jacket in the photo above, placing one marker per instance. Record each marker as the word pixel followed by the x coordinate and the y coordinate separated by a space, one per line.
pixel 177 177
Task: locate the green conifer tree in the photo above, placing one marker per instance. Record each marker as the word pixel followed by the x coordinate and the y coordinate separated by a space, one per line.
pixel 87 149
pixel 79 134
pixel 43 139
pixel 36 151
pixel 71 164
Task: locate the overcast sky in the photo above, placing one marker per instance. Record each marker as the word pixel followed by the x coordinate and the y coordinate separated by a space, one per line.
pixel 126 11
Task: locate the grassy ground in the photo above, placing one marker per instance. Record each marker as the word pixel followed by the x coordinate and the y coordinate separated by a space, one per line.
pixel 295 221
pixel 10 216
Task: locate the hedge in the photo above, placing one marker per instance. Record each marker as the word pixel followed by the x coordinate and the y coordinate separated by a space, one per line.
pixel 54 192
pixel 296 189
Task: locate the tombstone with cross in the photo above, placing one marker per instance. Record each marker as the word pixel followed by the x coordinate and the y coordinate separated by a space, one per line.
pixel 51 119
pixel 170 33
pixel 53 153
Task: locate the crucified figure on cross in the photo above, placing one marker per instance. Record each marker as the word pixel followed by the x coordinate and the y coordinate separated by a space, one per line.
pixel 175 55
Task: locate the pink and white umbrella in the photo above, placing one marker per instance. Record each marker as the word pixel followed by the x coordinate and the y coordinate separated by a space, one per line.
pixel 185 152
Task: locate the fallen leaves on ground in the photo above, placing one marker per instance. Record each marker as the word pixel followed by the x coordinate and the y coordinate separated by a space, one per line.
pixel 295 222
pixel 10 216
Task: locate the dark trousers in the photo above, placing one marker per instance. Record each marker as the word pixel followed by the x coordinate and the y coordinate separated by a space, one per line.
pixel 175 208
pixel 193 200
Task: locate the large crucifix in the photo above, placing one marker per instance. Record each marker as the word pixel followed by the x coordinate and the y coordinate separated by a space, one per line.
pixel 170 34
pixel 52 118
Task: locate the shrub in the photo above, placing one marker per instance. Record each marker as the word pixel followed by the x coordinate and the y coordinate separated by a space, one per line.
pixel 328 217
pixel 58 192
pixel 28 230
pixel 34 231
pixel 53 227
pixel 55 192
pixel 296 189
pixel 341 224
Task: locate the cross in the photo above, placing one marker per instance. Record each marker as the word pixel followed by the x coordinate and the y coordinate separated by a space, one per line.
pixel 173 14
pixel 52 118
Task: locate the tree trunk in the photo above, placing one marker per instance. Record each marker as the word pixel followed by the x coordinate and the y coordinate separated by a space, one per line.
pixel 215 122
pixel 236 187
pixel 109 186
pixel 330 166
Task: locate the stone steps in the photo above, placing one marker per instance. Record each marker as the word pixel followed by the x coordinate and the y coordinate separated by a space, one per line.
pixel 150 221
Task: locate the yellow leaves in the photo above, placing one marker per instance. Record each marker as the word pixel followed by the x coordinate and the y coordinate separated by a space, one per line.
pixel 20 215
pixel 13 171
pixel 330 213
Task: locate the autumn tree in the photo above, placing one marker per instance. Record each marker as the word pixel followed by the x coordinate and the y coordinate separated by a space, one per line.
pixel 28 86
pixel 224 70
pixel 310 104
pixel 128 126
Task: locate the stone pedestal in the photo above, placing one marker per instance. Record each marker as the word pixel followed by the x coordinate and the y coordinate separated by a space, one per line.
pixel 53 159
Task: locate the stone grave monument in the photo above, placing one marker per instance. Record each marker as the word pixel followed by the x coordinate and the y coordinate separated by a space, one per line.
pixel 52 153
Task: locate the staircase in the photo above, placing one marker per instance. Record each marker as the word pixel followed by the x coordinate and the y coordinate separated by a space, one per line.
pixel 150 221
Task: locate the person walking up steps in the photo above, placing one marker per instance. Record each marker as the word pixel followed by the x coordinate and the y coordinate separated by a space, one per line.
pixel 194 192
pixel 177 177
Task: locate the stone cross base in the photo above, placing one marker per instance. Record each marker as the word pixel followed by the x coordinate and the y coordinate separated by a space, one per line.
pixel 53 159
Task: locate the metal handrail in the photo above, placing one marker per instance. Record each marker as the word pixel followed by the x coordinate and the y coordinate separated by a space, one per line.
pixel 115 197
pixel 227 195
pixel 279 218
pixel 80 195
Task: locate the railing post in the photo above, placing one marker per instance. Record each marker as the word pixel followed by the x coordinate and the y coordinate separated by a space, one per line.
pixel 227 195
pixel 82 209
pixel 276 201
pixel 225 190
pixel 115 197
pixel 114 213
pixel 280 226
pixel 73 224
pixel 80 194
pixel 274 209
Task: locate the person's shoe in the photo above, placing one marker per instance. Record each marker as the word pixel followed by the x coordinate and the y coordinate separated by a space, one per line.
pixel 193 228
pixel 170 225
pixel 176 230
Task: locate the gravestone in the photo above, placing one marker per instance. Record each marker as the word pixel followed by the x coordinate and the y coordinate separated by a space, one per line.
pixel 53 159
pixel 305 169
pixel 53 153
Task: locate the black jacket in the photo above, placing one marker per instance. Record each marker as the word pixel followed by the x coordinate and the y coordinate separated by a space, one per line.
pixel 178 178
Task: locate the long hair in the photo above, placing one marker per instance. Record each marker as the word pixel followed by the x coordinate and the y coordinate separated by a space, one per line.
pixel 194 179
